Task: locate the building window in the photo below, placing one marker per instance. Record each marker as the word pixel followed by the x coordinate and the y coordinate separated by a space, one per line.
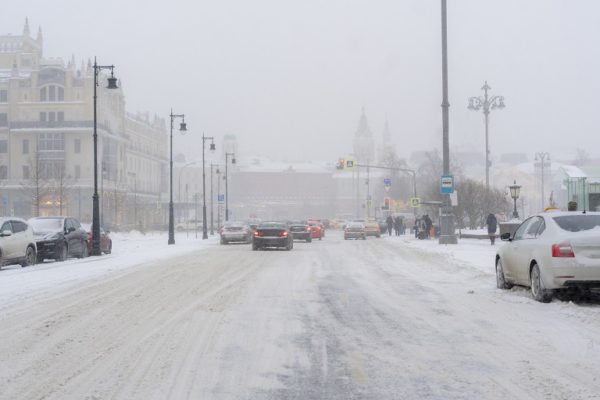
pixel 77 146
pixel 25 146
pixel 60 116
pixel 42 117
pixel 3 146
pixel 51 116
pixel 52 93
pixel 3 96
pixel 77 171
pixel 52 169
pixel 3 172
pixel 25 172
pixel 51 142
pixel 3 119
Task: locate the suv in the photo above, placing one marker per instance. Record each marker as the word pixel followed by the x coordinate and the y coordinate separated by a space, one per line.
pixel 59 237
pixel 17 245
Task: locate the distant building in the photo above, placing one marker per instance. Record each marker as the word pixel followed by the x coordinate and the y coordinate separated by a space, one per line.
pixel 46 142
pixel 364 143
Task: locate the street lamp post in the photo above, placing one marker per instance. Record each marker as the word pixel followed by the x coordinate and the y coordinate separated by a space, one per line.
pixel 542 157
pixel 447 234
pixel 212 148
pixel 212 200
pixel 227 183
pixel 218 172
pixel 486 103
pixel 112 84
pixel 514 193
pixel 182 128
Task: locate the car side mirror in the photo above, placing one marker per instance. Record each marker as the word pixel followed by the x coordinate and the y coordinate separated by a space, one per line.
pixel 506 237
pixel 71 229
pixel 6 233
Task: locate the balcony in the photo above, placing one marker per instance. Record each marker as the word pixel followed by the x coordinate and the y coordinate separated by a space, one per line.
pixel 55 125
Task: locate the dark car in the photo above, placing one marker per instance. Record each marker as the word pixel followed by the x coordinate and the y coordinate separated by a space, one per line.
pixel 235 232
pixel 272 234
pixel 59 237
pixel 300 230
pixel 105 240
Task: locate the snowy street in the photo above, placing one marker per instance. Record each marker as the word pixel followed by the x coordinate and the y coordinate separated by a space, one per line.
pixel 377 319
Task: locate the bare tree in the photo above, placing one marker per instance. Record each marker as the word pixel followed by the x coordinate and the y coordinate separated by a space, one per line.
pixel 36 186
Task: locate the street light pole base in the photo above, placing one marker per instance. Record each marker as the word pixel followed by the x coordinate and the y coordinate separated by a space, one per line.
pixel 447 234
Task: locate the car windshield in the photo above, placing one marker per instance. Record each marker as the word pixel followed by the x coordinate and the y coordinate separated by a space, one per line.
pixel 577 223
pixel 46 224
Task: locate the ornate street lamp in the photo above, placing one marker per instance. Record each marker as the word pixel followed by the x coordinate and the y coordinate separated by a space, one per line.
pixel 112 84
pixel 515 190
pixel 227 183
pixel 212 149
pixel 486 103
pixel 182 129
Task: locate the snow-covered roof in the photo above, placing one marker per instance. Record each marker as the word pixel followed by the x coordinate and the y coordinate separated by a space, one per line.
pixel 571 171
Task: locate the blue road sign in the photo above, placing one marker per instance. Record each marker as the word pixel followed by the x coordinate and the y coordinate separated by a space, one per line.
pixel 387 182
pixel 221 198
pixel 447 184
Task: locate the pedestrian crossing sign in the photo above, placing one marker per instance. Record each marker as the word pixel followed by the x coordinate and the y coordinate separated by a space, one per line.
pixel 415 202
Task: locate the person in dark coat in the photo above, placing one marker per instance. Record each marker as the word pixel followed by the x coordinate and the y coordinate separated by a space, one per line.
pixel 428 224
pixel 492 226
pixel 397 224
pixel 390 222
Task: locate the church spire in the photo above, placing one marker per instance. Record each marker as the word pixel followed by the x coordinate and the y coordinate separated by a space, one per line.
pixel 363 140
pixel 39 37
pixel 26 28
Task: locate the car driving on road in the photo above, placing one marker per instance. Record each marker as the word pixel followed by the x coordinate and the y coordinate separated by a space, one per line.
pixel 235 232
pixel 551 251
pixel 17 244
pixel 300 230
pixel 355 230
pixel 272 234
pixel 59 237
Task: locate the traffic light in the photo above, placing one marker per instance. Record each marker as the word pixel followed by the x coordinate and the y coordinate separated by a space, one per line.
pixel 341 164
pixel 386 203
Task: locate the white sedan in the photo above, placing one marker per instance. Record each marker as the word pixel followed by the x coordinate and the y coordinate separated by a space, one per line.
pixel 550 251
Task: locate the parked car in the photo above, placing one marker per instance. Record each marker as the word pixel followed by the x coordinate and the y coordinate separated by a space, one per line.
pixel 272 234
pixel 59 237
pixel 300 230
pixel 105 240
pixel 17 244
pixel 551 251
pixel 316 230
pixel 355 230
pixel 235 232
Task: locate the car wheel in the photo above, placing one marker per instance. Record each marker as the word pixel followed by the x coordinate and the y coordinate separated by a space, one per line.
pixel 537 287
pixel 62 253
pixel 308 240
pixel 254 246
pixel 84 250
pixel 501 281
pixel 30 257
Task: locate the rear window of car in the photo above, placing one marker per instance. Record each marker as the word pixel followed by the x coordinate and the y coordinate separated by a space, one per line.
pixel 577 223
pixel 272 225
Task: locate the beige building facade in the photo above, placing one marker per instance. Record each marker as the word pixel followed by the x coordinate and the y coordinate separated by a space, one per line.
pixel 46 142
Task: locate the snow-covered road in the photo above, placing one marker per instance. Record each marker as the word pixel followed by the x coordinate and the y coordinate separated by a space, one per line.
pixel 388 318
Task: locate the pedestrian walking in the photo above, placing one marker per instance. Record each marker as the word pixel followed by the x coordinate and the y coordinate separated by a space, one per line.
pixel 492 226
pixel 397 223
pixel 428 225
pixel 390 222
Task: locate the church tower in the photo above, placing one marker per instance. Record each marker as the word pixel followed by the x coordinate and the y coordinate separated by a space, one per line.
pixel 364 146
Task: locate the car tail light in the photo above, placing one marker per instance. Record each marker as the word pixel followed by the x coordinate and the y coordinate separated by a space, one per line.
pixel 308 228
pixel 283 233
pixel 562 250
pixel 258 233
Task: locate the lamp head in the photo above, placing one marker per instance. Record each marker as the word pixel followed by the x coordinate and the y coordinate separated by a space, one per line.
pixel 112 81
pixel 515 190
pixel 183 126
pixel 233 160
pixel 212 146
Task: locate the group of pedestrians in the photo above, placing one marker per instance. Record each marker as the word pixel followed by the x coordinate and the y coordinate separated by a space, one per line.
pixel 396 224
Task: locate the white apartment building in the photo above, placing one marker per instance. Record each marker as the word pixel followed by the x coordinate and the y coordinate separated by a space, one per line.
pixel 46 142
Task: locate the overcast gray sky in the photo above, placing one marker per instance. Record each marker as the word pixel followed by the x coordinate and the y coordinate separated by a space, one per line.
pixel 289 78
